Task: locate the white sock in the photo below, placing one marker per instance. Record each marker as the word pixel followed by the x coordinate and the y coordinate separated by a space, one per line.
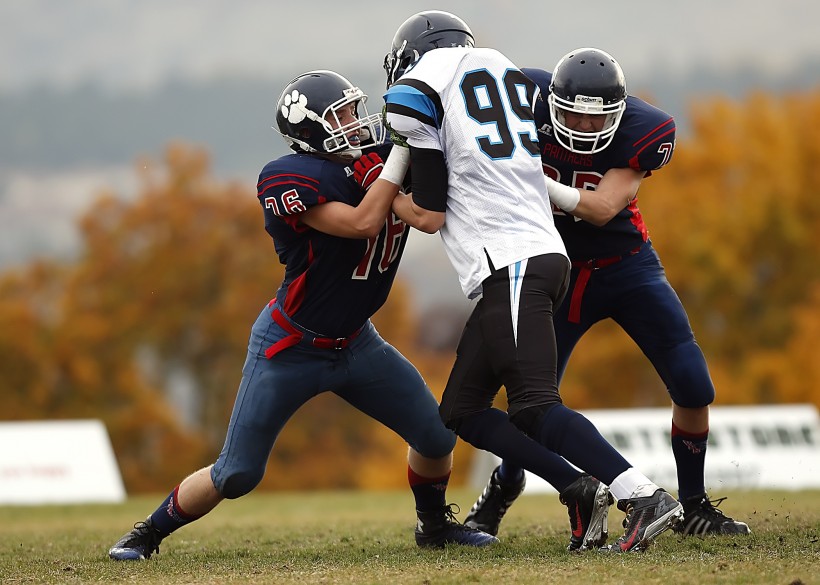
pixel 632 484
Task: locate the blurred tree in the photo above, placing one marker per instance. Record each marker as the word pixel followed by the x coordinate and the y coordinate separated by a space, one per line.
pixel 28 303
pixel 148 329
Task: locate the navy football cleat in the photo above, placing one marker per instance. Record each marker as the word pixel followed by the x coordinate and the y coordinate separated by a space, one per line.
pixel 646 518
pixel 701 517
pixel 437 528
pixel 587 501
pixel 138 544
pixel 492 504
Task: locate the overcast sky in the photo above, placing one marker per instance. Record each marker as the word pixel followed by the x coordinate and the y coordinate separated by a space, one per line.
pixel 141 43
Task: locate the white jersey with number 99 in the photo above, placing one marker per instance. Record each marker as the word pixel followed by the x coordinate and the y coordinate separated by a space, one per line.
pixel 476 107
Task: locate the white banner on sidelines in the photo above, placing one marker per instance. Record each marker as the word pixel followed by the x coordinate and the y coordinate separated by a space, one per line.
pixel 58 462
pixel 750 447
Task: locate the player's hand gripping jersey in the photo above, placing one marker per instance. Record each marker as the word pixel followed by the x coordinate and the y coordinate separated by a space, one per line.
pixel 476 107
pixel 644 141
pixel 325 272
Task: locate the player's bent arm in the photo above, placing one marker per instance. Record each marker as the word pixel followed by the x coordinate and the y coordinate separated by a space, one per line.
pixel 346 221
pixel 366 219
pixel 617 188
pixel 422 219
pixel 424 207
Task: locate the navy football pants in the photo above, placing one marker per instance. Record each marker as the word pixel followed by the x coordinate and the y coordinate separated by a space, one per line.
pixel 370 374
pixel 636 294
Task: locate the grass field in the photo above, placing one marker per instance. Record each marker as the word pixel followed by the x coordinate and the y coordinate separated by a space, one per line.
pixel 358 537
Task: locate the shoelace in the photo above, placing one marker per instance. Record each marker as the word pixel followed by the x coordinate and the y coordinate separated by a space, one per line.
pixel 710 507
pixel 629 509
pixel 450 511
pixel 148 531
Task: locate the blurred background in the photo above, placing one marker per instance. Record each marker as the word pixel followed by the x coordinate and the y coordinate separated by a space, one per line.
pixel 133 258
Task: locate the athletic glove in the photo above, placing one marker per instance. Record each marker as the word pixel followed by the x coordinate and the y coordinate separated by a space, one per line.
pixel 367 169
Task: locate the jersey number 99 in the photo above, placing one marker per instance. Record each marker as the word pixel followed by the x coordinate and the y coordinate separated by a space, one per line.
pixel 484 104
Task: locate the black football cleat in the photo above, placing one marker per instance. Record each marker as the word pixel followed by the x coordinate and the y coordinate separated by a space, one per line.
pixel 138 544
pixel 493 503
pixel 701 517
pixel 437 528
pixel 646 518
pixel 587 501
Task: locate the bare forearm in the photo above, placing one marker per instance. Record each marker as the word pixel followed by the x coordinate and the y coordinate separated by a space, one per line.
pixel 418 217
pixel 616 190
pixel 596 208
pixel 371 212
pixel 403 208
pixel 366 219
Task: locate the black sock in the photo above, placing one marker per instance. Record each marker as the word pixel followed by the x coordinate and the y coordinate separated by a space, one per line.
pixel 571 435
pixel 428 491
pixel 689 450
pixel 491 430
pixel 509 472
pixel 169 516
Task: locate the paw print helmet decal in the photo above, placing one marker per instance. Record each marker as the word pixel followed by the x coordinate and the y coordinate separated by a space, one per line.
pixel 309 115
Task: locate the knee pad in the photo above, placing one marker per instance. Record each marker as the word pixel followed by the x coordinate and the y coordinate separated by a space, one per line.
pixel 236 484
pixel 547 424
pixel 528 420
pixel 477 428
pixel 690 384
pixel 434 442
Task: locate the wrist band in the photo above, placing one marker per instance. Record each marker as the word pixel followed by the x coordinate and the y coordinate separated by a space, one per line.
pixel 396 165
pixel 563 196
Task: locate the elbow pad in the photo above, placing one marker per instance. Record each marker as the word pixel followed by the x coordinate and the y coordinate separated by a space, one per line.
pixel 429 178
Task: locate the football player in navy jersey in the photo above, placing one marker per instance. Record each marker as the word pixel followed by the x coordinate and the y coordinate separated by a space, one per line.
pixel 327 208
pixel 466 114
pixel 597 146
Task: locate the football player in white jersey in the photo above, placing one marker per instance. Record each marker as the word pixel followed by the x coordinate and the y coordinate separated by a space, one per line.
pixel 466 115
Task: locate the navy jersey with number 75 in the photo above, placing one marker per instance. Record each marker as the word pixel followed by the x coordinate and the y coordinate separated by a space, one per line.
pixel 332 285
pixel 644 141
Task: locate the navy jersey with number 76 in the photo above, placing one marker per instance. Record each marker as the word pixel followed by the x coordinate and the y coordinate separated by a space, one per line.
pixel 332 285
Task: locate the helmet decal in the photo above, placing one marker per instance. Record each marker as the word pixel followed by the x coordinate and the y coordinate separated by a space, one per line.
pixel 294 107
pixel 310 111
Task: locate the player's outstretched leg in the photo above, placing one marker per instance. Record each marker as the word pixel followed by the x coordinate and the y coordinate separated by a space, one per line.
pixel 587 501
pixel 701 517
pixel 646 518
pixel 493 503
pixel 138 544
pixel 436 528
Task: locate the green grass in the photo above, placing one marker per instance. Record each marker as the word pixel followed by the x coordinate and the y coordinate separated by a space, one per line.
pixel 357 537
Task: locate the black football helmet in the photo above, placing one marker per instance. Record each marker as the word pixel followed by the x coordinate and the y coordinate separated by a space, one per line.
pixel 307 116
pixel 422 32
pixel 587 81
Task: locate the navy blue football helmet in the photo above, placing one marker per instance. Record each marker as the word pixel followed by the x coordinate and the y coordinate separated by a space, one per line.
pixel 587 81
pixel 422 32
pixel 307 116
